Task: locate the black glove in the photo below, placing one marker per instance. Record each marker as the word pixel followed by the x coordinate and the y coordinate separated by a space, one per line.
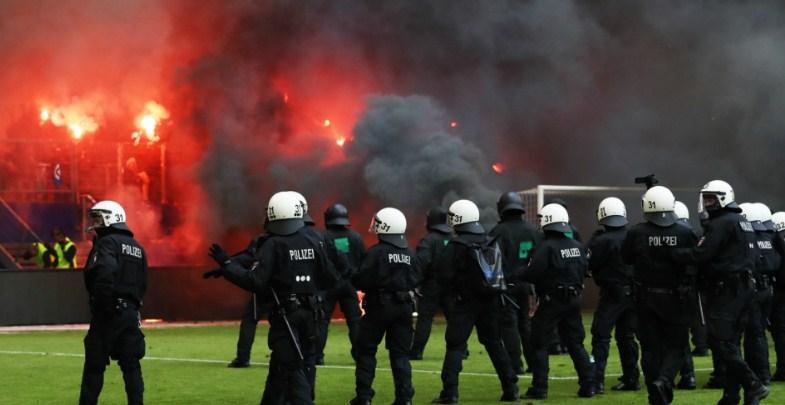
pixel 219 255
pixel 215 273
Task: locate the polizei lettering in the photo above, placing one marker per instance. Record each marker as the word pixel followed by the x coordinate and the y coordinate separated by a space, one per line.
pixel 764 245
pixel 301 254
pixel 570 253
pixel 399 258
pixel 134 251
pixel 663 240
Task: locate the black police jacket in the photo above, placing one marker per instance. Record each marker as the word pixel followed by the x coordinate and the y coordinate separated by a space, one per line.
pixel 727 246
pixel 428 250
pixel 606 264
pixel 556 262
pixel 457 271
pixel 770 248
pixel 387 268
pixel 116 268
pixel 350 244
pixel 517 238
pixel 648 249
pixel 289 264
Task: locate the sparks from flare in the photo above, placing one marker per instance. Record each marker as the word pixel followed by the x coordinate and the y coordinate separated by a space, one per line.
pixel 77 118
pixel 498 167
pixel 147 122
pixel 454 124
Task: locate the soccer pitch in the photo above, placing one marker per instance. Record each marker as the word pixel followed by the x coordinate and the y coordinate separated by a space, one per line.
pixel 187 365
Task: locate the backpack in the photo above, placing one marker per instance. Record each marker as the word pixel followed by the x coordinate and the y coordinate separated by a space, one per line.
pixel 487 258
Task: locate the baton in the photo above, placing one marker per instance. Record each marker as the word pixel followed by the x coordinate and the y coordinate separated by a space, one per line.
pixel 700 309
pixel 288 325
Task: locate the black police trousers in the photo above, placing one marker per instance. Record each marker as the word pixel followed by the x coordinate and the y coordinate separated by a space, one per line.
pixel 464 315
pixel 756 345
pixel 516 328
pixel 562 312
pixel 727 312
pixel 698 329
pixel 427 306
pixel 251 316
pixel 346 296
pixel 777 317
pixel 290 373
pixel 391 319
pixel 118 338
pixel 615 309
pixel 663 330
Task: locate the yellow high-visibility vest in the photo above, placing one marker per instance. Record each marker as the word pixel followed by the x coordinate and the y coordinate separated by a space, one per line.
pixel 40 252
pixel 60 250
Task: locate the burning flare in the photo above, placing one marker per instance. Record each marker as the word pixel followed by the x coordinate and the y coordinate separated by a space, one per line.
pixel 147 122
pixel 74 117
pixel 498 167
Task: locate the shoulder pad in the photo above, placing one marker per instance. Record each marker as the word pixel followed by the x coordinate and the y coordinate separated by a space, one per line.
pixel 746 226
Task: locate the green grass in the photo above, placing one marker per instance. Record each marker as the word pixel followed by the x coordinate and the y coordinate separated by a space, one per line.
pixel 54 377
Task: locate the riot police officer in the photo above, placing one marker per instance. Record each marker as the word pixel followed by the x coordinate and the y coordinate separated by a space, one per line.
pixel 695 311
pixel 348 242
pixel 428 249
pixel 292 266
pixel 116 280
pixel 471 303
pixel 254 309
pixel 778 303
pixel 516 238
pixel 616 307
pixel 388 275
pixel 662 291
pixel 557 269
pixel 725 254
pixel 768 264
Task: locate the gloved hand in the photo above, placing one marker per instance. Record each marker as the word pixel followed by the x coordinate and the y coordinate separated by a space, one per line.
pixel 219 254
pixel 215 273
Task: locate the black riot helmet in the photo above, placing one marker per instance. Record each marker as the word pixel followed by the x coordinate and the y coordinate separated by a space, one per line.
pixel 336 214
pixel 437 220
pixel 509 201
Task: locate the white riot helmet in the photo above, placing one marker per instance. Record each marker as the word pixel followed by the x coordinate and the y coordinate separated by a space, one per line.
pixel 306 216
pixel 778 218
pixel 107 214
pixel 389 224
pixel 658 205
pixel 764 213
pixel 554 217
pixel 721 191
pixel 464 216
pixel 285 213
pixel 612 212
pixel 681 211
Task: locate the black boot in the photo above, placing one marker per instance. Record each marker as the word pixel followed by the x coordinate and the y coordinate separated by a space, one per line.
pixel 755 395
pixel 687 383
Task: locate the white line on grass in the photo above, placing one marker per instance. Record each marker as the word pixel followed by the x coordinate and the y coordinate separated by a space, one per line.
pixel 329 367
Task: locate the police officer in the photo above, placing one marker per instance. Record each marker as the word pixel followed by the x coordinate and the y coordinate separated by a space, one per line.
pixel 662 291
pixel 470 304
pixel 348 242
pixel 778 304
pixel 292 267
pixel 616 307
pixel 697 321
pixel 254 310
pixel 116 280
pixel 516 238
pixel 557 269
pixel 387 276
pixel 697 327
pixel 768 263
pixel 725 253
pixel 428 249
